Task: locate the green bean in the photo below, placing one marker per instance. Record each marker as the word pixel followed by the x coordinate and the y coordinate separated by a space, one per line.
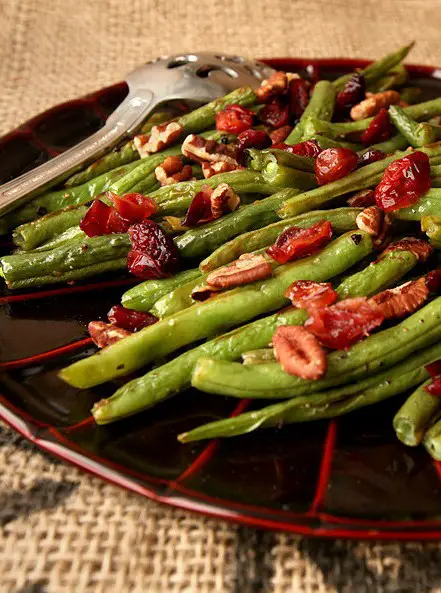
pixel 429 204
pixel 178 299
pixel 325 142
pixel 342 220
pixel 221 312
pixel 361 360
pixel 411 94
pixel 321 105
pixel 431 225
pixel 67 236
pixel 68 258
pixel 396 77
pixel 259 356
pixel 31 235
pixel 143 296
pixel 397 142
pixel 415 415
pixel 281 176
pixel 377 69
pixel 418 134
pixel 318 406
pixel 259 159
pixel 175 375
pixel 62 198
pixel 432 441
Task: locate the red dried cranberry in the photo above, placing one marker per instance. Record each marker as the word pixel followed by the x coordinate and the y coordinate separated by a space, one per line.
pixel 305 294
pixel 434 368
pixel 404 182
pixel 344 323
pixel 353 93
pixel 334 163
pixel 370 156
pixel 434 388
pixel 379 130
pixel 130 319
pixel 234 119
pixel 199 210
pixel 116 223
pixel 251 139
pixel 298 97
pixel 309 148
pixel 296 242
pixel 134 207
pixel 95 220
pixel 154 253
pixel 433 280
pixel 274 114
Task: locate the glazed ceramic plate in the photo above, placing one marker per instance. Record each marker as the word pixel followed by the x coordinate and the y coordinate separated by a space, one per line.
pixel 345 478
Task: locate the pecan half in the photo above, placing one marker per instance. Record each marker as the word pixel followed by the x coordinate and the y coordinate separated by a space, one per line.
pixel 362 199
pixel 370 220
pixel 210 169
pixel 160 137
pixel 373 103
pixel 204 292
pixel 223 199
pixel 173 171
pixel 105 334
pixel 280 135
pixel 275 85
pixel 199 149
pixel 248 268
pixel 299 352
pixel 420 248
pixel 404 299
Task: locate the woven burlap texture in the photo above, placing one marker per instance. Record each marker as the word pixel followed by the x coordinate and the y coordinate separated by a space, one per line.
pixel 63 531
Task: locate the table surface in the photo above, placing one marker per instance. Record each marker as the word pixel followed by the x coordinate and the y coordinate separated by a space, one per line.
pixel 63 531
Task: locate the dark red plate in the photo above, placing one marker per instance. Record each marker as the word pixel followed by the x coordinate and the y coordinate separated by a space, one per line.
pixel 350 478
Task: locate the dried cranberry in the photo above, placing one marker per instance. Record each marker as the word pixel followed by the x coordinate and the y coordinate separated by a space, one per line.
pixel 278 136
pixel 344 323
pixel 116 223
pixel 251 139
pixel 433 280
pixel 309 148
pixel 434 368
pixel 353 93
pixel 298 97
pixel 134 207
pixel 296 242
pixel 334 163
pixel 370 156
pixel 199 210
pixel 130 319
pixel 379 129
pixel 404 182
pixel 434 388
pixel 305 294
pixel 274 114
pixel 154 254
pixel 95 220
pixel 234 119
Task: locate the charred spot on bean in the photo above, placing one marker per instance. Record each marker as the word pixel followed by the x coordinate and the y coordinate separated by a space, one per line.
pixel 120 367
pixel 356 239
pixel 42 211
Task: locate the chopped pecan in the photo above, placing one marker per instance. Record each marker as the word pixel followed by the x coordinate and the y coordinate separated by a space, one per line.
pixel 404 299
pixel 373 103
pixel 204 292
pixel 160 137
pixel 248 268
pixel 210 169
pixel 280 135
pixel 199 149
pixel 105 334
pixel 173 171
pixel 362 199
pixel 223 199
pixel 275 85
pixel 299 352
pixel 371 220
pixel 420 248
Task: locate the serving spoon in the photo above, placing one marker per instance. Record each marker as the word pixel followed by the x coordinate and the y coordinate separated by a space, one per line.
pixel 199 77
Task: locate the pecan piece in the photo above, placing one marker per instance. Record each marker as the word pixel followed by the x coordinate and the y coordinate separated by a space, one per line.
pixel 223 199
pixel 248 268
pixel 373 103
pixel 362 199
pixel 210 169
pixel 202 293
pixel 105 334
pixel 199 149
pixel 371 220
pixel 420 248
pixel 299 352
pixel 173 171
pixel 275 85
pixel 160 137
pixel 280 135
pixel 404 299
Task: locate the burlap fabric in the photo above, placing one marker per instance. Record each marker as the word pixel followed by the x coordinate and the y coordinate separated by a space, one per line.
pixel 63 531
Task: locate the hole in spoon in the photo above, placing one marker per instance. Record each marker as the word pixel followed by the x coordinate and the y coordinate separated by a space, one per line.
pixel 204 71
pixel 181 61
